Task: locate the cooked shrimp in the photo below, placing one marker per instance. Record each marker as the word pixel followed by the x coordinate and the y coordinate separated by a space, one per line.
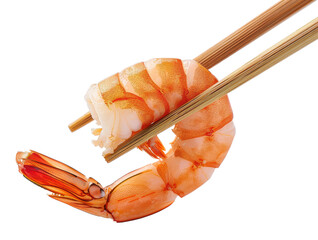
pixel 125 104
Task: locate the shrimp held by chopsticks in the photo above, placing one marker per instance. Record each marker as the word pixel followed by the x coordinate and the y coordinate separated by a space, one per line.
pixel 124 104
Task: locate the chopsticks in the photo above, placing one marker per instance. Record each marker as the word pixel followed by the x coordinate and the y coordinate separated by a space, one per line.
pixel 234 42
pixel 262 62
pixel 249 32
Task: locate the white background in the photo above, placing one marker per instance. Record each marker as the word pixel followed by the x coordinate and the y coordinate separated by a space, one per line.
pixel 50 53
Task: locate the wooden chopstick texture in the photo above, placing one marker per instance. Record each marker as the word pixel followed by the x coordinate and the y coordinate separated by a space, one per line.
pixel 250 31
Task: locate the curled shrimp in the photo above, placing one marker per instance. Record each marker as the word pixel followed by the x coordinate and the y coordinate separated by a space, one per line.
pixel 124 104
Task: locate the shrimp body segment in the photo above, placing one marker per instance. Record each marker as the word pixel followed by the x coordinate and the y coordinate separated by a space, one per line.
pixel 124 104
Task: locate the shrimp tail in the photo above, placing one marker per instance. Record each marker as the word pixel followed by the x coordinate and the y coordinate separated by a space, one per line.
pixel 65 183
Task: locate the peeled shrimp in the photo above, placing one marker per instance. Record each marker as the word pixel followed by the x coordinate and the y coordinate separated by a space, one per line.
pixel 124 104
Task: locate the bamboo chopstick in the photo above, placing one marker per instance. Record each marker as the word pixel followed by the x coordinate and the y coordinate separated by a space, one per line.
pixel 249 32
pixel 234 42
pixel 262 62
